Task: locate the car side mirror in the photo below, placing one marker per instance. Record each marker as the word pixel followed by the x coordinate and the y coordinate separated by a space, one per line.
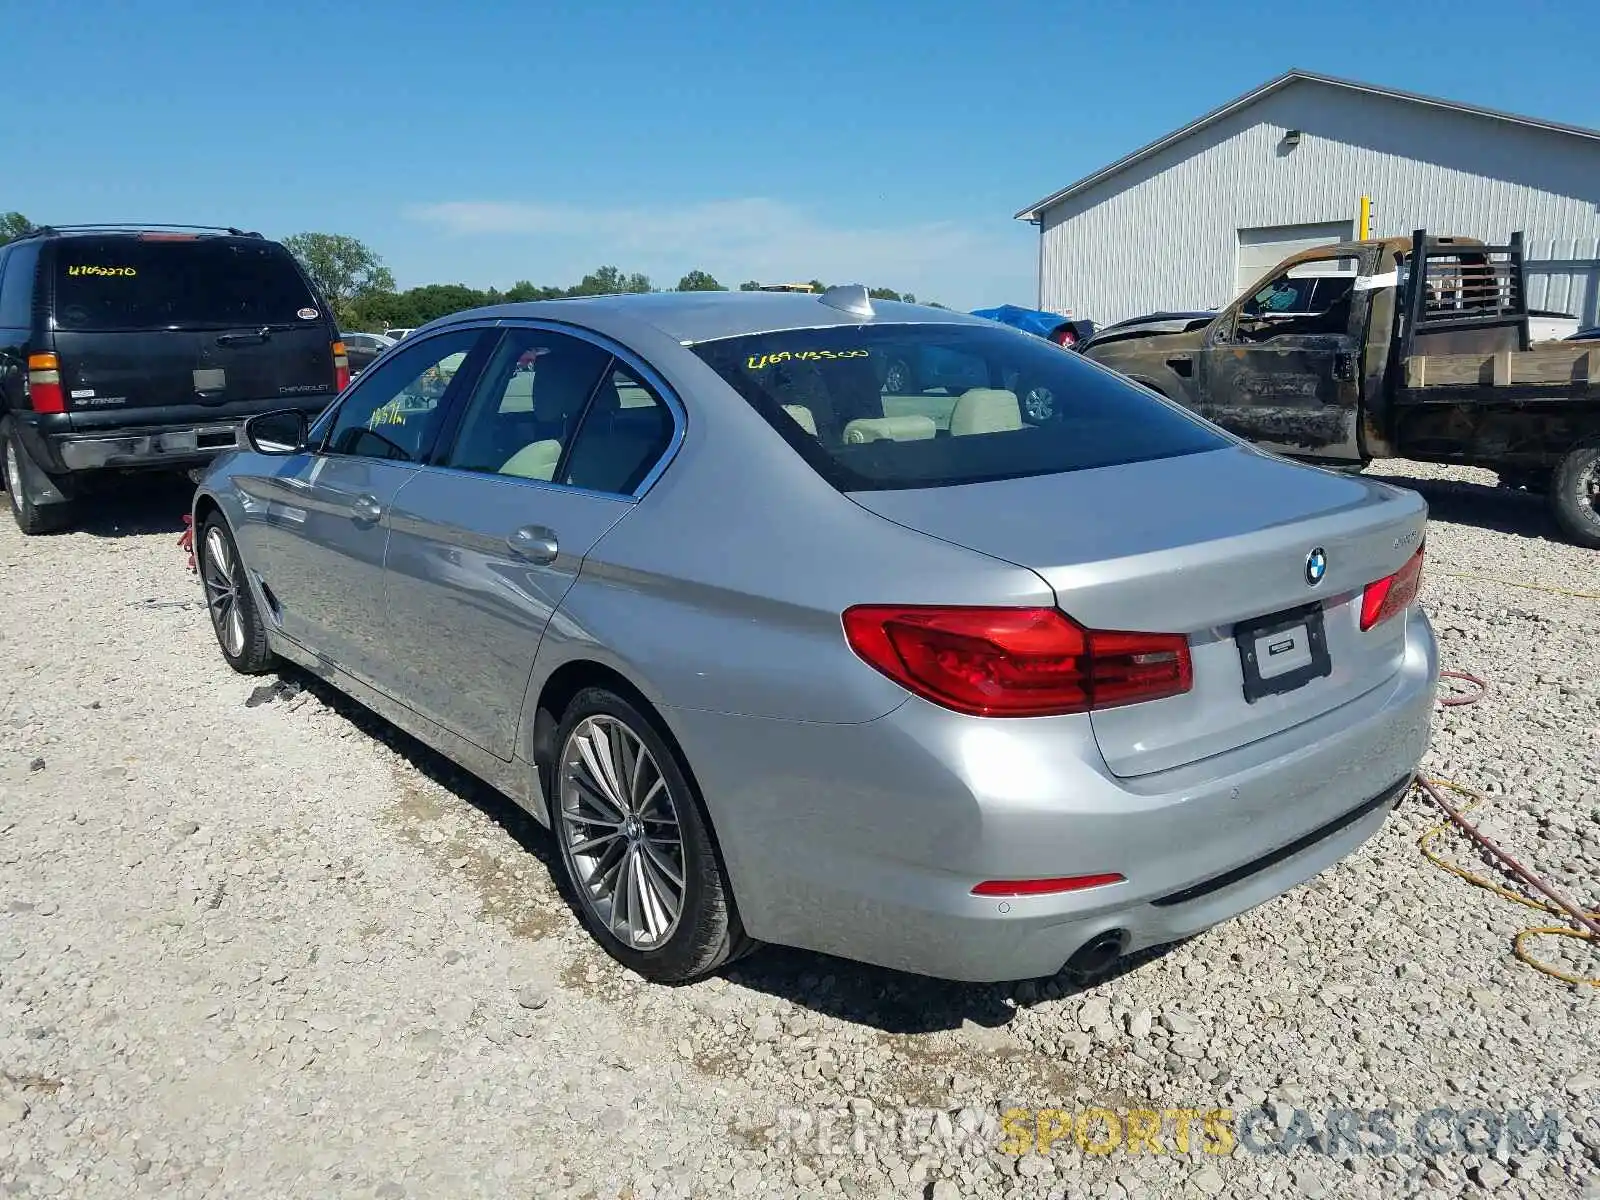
pixel 281 432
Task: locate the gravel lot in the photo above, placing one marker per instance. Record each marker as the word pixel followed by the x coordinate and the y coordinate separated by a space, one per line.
pixel 254 942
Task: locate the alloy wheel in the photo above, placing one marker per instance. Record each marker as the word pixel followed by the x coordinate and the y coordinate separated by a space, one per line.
pixel 620 832
pixel 222 592
pixel 1039 405
pixel 13 471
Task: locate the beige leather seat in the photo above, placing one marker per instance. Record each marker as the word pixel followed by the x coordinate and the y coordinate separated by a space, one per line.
pixel 985 410
pixel 802 417
pixel 892 429
pixel 534 461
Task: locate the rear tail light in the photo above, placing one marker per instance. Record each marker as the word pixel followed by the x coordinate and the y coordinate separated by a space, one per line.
pixel 1392 594
pixel 1065 336
pixel 341 368
pixel 1016 662
pixel 44 384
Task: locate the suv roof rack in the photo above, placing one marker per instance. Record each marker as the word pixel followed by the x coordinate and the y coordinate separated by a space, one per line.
pixel 133 227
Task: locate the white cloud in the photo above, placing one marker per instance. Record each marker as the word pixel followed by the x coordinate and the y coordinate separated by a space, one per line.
pixel 752 238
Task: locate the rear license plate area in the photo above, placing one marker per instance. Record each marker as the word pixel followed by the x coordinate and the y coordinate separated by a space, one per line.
pixel 1282 651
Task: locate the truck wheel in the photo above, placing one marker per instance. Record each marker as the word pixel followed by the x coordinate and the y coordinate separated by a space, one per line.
pixel 1575 495
pixel 31 516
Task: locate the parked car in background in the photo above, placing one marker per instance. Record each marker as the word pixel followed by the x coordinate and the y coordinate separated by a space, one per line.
pixel 362 348
pixel 933 368
pixel 396 334
pixel 777 659
pixel 126 348
pixel 1063 330
pixel 1157 322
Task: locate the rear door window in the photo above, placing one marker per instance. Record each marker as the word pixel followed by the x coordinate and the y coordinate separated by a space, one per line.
pixel 875 407
pixel 134 283
pixel 534 392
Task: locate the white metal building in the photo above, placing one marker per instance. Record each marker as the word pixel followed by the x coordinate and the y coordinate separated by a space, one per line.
pixel 1191 219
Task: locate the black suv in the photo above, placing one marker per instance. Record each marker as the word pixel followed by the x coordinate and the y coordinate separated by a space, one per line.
pixel 138 348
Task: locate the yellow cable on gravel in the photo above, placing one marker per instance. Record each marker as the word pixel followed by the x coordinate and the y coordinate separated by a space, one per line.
pixel 1518 943
pixel 1532 587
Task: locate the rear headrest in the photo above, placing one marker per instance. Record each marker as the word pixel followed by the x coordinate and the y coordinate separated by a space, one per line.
pixel 802 417
pixel 985 410
pixel 892 429
pixel 534 461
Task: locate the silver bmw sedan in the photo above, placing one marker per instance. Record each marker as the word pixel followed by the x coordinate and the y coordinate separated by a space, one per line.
pixel 857 626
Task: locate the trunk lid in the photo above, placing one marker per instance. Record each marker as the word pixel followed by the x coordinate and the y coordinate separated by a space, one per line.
pixel 1200 544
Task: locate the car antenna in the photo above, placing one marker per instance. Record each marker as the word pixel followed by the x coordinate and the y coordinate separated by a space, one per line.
pixel 849 297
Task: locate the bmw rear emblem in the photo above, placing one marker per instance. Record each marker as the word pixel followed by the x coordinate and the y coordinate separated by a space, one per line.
pixel 1316 566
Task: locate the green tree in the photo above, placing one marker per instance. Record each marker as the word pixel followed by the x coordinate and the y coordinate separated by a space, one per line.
pixel 818 286
pixel 522 291
pixel 344 269
pixel 608 281
pixel 749 285
pixel 699 281
pixel 883 294
pixel 435 300
pixel 13 225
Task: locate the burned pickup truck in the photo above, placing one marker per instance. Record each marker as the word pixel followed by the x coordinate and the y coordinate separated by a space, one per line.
pixel 1335 357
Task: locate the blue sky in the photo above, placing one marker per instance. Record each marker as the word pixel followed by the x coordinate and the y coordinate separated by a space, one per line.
pixel 483 141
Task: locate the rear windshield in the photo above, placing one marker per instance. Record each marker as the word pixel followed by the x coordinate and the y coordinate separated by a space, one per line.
pixel 877 407
pixel 131 283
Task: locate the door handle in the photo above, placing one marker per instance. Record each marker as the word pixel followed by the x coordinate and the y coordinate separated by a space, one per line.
pixel 367 508
pixel 534 543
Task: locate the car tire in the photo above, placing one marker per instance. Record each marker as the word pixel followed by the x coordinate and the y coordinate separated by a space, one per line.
pixel 613 771
pixel 31 516
pixel 235 619
pixel 1575 495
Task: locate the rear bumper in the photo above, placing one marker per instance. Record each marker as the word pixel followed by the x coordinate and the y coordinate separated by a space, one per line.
pixel 866 840
pixel 150 438
pixel 179 447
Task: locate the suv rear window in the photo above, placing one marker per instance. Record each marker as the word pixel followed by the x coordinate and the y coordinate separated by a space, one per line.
pixel 110 283
pixel 877 407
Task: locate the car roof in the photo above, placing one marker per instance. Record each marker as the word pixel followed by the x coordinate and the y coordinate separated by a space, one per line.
pixel 691 317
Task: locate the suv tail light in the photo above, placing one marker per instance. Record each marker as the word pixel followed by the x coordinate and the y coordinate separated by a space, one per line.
pixel 1016 662
pixel 1393 594
pixel 44 384
pixel 341 367
pixel 1065 336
